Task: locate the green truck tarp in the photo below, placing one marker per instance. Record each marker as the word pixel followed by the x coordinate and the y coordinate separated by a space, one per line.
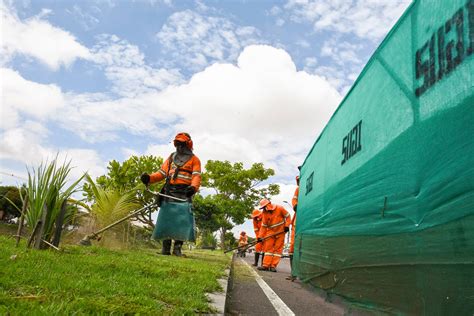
pixel 386 203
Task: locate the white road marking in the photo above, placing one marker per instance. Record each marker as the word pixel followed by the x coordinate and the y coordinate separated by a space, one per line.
pixel 280 306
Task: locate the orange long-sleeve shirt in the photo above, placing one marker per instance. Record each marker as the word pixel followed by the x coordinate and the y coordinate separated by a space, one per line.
pixel 274 220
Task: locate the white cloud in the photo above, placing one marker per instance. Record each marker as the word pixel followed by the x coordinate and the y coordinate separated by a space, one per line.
pixel 97 118
pixel 26 144
pixel 303 43
pixel 365 18
pixel 37 38
pixel 341 52
pixel 310 62
pixel 196 40
pixel 86 17
pixel 336 76
pixel 83 160
pixel 347 60
pixel 23 143
pixel 125 67
pixel 260 110
pixel 19 95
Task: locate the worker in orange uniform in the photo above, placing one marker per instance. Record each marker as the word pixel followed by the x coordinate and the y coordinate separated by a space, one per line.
pixel 243 242
pixel 182 172
pixel 294 203
pixel 257 224
pixel 275 222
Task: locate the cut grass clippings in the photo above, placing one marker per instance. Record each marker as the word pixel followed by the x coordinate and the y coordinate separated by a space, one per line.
pixel 91 280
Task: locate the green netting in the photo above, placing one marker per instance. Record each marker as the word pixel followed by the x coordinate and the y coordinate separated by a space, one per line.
pixel 175 221
pixel 386 204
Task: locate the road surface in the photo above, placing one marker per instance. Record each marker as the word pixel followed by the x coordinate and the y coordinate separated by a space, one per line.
pixel 253 292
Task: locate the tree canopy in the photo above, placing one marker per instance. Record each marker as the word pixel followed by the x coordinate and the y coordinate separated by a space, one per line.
pixel 7 194
pixel 237 190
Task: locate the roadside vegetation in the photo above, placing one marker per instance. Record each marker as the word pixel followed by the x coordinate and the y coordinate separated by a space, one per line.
pixel 45 272
pixel 95 280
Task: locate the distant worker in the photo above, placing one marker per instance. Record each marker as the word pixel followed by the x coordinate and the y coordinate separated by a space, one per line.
pixel 294 203
pixel 257 224
pixel 243 242
pixel 182 172
pixel 275 222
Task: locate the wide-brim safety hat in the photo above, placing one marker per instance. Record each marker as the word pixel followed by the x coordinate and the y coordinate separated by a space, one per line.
pixel 256 213
pixel 184 138
pixel 263 203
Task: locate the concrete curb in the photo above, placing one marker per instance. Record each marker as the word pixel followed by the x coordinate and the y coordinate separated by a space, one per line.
pixel 218 300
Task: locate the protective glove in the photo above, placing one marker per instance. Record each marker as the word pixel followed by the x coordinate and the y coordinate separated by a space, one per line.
pixel 294 208
pixel 287 229
pixel 190 190
pixel 145 178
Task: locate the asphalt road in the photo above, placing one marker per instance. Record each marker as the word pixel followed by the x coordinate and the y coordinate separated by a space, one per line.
pixel 246 296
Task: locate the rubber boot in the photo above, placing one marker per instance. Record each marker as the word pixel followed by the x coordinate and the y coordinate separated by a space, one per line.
pixel 166 247
pixel 263 256
pixel 177 248
pixel 257 255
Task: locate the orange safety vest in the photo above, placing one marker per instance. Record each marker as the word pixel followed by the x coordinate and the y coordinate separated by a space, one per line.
pixel 189 173
pixel 243 240
pixel 274 220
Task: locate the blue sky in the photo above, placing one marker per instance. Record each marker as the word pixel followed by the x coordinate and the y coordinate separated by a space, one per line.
pixel 251 81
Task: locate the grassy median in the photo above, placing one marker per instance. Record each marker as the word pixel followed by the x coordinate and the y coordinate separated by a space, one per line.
pixel 90 280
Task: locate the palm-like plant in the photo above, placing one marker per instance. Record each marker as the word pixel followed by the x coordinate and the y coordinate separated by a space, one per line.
pixel 110 204
pixel 47 190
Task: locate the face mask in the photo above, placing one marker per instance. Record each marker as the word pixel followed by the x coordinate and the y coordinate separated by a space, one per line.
pixel 181 148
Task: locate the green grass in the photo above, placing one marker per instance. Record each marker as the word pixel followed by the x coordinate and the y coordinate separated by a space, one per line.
pixel 91 280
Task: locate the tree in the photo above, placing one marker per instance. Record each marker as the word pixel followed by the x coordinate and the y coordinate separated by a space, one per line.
pixel 207 214
pixel 10 201
pixel 237 191
pixel 229 241
pixel 125 177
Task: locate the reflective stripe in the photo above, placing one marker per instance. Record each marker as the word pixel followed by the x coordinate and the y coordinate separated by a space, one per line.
pixel 183 177
pixel 255 230
pixel 268 253
pixel 196 172
pixel 162 172
pixel 295 196
pixel 277 224
pixel 264 225
pixel 277 255
pixel 287 214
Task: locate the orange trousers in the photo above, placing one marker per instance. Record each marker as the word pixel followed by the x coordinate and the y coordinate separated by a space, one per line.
pixel 273 248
